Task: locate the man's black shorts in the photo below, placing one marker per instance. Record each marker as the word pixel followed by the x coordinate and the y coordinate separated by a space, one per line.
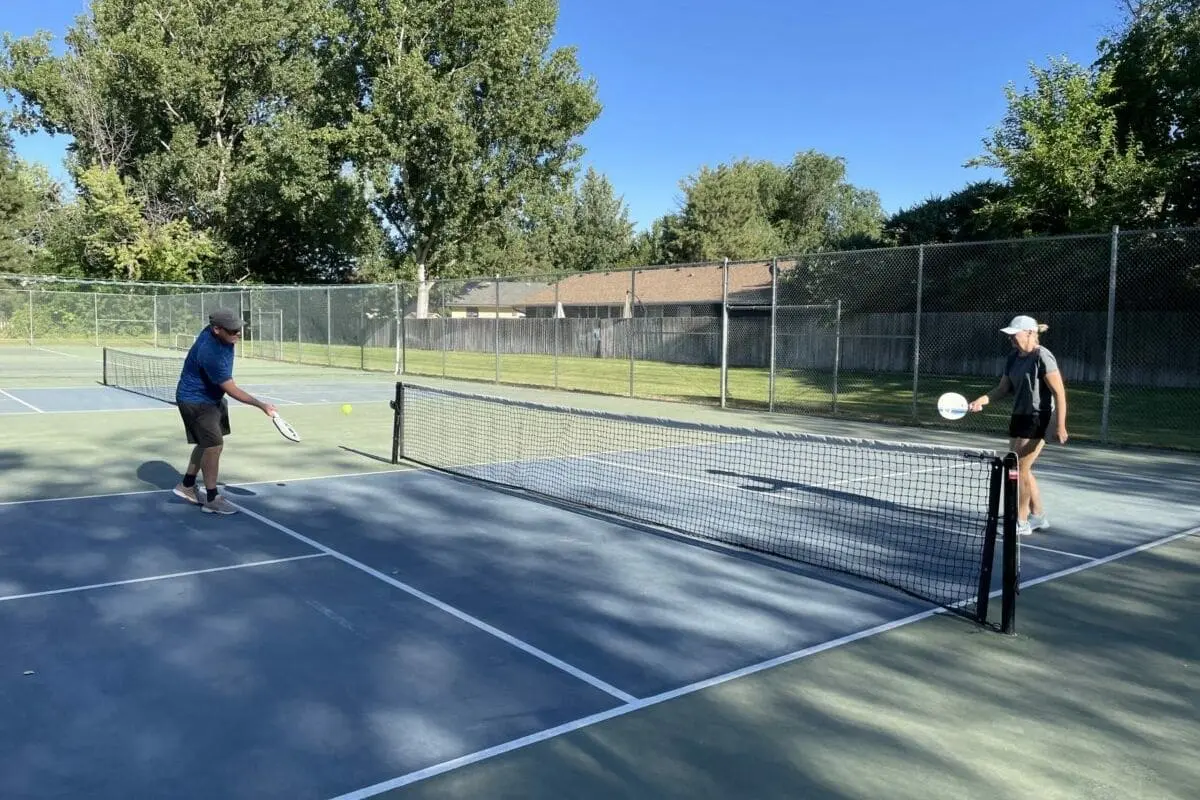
pixel 1029 426
pixel 206 424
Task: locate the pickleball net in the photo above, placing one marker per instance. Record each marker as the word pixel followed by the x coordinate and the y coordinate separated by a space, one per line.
pixel 920 518
pixel 149 375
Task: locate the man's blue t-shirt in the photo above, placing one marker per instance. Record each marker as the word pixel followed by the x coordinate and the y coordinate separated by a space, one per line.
pixel 209 363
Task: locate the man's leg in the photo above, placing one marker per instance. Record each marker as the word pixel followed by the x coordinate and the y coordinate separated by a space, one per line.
pixel 193 466
pixel 187 486
pixel 216 422
pixel 206 427
pixel 210 463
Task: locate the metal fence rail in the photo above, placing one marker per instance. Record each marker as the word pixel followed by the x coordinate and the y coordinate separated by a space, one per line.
pixel 868 334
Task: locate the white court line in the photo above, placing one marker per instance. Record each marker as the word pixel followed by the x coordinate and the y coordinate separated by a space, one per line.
pixel 1096 562
pixel 281 400
pixel 169 407
pixel 92 410
pixel 449 609
pixel 1080 556
pixel 637 705
pixel 68 355
pixel 22 402
pixel 234 485
pixel 131 581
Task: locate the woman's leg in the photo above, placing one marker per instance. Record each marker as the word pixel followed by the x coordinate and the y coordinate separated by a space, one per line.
pixel 1030 498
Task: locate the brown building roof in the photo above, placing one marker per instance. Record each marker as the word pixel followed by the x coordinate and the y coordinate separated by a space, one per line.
pixel 701 283
pixel 483 293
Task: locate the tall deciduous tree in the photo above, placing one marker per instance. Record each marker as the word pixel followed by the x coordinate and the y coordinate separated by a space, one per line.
pixel 461 110
pixel 1154 62
pixel 182 97
pixel 106 232
pixel 1068 167
pixel 757 209
pixel 727 212
pixel 816 207
pixel 19 206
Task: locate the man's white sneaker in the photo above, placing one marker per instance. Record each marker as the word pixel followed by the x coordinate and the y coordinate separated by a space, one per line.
pixel 192 495
pixel 218 505
pixel 1038 522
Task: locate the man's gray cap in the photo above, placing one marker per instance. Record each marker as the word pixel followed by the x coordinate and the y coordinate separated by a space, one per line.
pixel 224 318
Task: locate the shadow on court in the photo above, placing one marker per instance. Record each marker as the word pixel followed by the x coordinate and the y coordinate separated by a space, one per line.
pixel 11 460
pixel 1094 698
pixel 160 474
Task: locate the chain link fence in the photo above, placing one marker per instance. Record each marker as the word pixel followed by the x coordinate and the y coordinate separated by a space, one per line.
pixel 865 335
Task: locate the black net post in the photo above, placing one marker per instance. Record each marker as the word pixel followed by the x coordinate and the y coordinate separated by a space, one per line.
pixel 397 423
pixel 995 498
pixel 1012 556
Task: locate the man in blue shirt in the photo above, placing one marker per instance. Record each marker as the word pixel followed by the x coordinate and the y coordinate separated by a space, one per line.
pixel 204 381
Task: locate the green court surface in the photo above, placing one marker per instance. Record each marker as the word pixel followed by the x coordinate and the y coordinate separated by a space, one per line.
pixel 1095 696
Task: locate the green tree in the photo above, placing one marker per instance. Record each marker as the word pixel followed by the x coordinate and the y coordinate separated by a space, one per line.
pixel 1154 61
pixel 816 208
pixel 181 98
pixel 956 218
pixel 757 209
pixel 105 234
pixel 727 214
pixel 1067 166
pixel 601 234
pixel 460 111
pixel 533 237
pixel 18 210
pixel 659 244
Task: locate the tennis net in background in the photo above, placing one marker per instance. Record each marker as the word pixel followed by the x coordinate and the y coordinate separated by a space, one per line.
pixel 152 376
pixel 920 518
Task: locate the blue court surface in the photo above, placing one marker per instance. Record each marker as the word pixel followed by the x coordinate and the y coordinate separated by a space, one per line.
pixel 65 399
pixel 344 636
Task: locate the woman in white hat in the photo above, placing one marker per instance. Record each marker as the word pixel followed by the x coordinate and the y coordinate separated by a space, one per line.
pixel 1032 376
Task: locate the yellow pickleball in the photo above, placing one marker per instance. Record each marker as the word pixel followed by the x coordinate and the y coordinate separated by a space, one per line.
pixel 346 409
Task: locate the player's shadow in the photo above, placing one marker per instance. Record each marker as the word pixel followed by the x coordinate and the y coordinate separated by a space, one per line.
pixel 158 474
pixel 162 475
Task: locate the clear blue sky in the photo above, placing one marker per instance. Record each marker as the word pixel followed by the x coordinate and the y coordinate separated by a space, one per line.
pixel 905 92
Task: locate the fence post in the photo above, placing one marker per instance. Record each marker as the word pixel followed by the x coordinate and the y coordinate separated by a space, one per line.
pixel 632 317
pixel 299 323
pixel 96 316
pixel 837 352
pixel 31 317
pixel 917 326
pixel 1108 335
pixel 329 326
pixel 156 319
pixel 497 328
pixel 774 318
pixel 399 328
pixel 724 330
pixel 557 330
